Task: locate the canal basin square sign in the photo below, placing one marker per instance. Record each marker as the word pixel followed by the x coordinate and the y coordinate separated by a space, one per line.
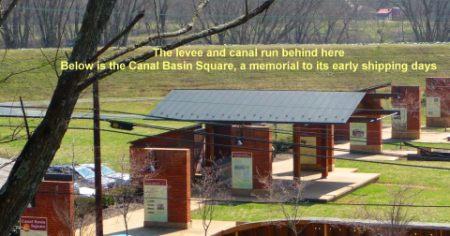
pixel 33 226
pixel 155 200
pixel 242 170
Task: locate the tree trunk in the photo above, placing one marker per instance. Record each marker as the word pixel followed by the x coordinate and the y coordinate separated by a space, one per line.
pixel 40 149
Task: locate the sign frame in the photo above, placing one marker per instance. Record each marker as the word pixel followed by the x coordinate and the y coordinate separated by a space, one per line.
pixel 242 170
pixel 156 200
pixel 358 133
pixel 32 231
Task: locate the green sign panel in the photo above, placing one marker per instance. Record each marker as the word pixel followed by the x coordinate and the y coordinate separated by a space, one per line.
pixel 155 200
pixel 242 170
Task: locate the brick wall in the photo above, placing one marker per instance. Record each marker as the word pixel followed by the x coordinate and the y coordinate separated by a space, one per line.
pixel 180 138
pixel 439 88
pixel 55 201
pixel 257 140
pixel 321 148
pixel 409 99
pixel 342 132
pixel 172 165
pixel 374 129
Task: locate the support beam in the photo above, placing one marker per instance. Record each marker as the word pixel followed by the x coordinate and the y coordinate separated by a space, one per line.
pixel 209 139
pixel 313 144
pixel 296 149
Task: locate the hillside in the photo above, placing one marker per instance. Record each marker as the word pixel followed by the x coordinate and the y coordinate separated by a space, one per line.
pixel 38 78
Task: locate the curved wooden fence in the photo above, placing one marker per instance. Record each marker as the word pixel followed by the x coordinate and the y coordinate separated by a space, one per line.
pixel 322 227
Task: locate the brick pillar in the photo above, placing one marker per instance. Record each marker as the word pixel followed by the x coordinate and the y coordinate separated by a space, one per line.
pixel 366 137
pixel 172 175
pixel 209 139
pixel 54 206
pixel 407 124
pixel 317 157
pixel 256 141
pixel 222 141
pixel 342 132
pixel 296 149
pixel 438 102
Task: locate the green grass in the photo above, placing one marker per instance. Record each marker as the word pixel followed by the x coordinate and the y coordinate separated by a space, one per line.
pixel 399 145
pixel 428 187
pixel 38 84
pixel 79 143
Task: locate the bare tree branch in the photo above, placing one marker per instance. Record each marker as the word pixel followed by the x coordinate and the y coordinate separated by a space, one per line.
pixel 12 74
pixel 118 37
pixel 8 11
pixel 185 40
pixel 159 35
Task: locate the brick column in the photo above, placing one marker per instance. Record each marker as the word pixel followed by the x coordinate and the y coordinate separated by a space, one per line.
pixel 172 170
pixel 407 124
pixel 209 147
pixel 366 137
pixel 317 157
pixel 438 102
pixel 53 204
pixel 342 132
pixel 256 140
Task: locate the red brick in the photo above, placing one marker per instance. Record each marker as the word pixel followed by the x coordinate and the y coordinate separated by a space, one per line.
pixel 55 201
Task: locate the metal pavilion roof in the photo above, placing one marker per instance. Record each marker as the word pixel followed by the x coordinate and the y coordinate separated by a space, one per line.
pixel 258 106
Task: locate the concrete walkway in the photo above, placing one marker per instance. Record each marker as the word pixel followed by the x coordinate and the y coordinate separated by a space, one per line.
pixel 5 167
pixel 338 183
pixel 426 135
pixel 115 225
pixel 6 110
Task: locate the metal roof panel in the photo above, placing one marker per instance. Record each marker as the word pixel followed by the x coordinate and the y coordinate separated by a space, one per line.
pixel 258 106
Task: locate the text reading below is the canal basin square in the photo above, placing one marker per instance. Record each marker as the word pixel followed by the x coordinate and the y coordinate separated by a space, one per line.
pixel 258 58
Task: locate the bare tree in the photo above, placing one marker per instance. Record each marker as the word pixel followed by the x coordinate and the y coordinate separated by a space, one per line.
pixel 6 8
pixel 124 194
pixel 210 190
pixel 282 20
pixel 84 215
pixel 16 30
pixel 394 219
pixel 429 20
pixel 50 16
pixel 40 149
pixel 333 20
pixel 287 195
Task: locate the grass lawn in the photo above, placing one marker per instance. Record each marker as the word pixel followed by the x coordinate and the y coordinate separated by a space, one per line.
pixel 39 83
pixel 399 145
pixel 79 143
pixel 428 187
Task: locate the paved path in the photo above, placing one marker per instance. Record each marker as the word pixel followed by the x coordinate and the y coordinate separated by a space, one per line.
pixel 16 111
pixel 5 167
pixel 426 135
pixel 115 225
pixel 338 183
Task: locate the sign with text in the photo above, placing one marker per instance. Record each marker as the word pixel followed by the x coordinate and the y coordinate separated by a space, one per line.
pixel 241 170
pixel 155 200
pixel 433 107
pixel 358 133
pixel 400 121
pixel 308 151
pixel 33 226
